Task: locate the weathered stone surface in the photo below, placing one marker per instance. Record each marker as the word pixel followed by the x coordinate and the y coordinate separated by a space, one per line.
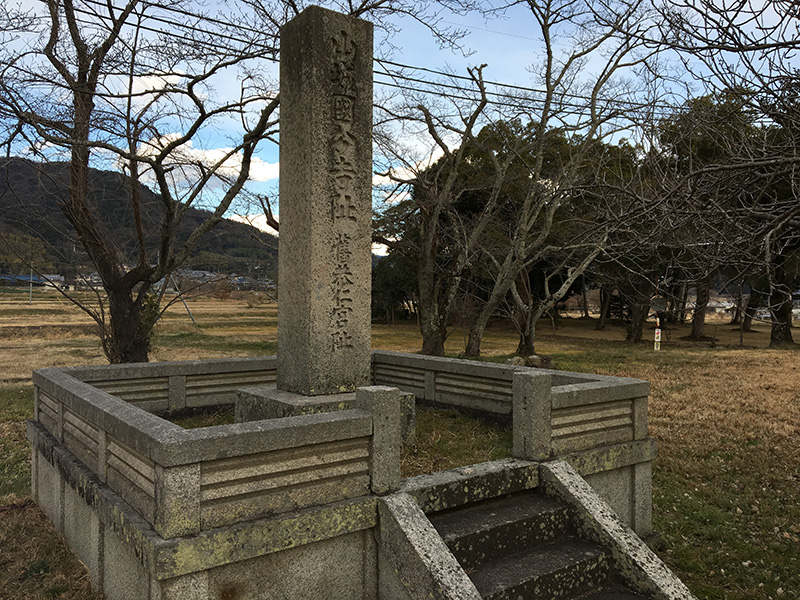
pixel 485 531
pixel 48 496
pixel 532 425
pixel 251 539
pixel 390 585
pixel 642 570
pixel 187 587
pixel 598 389
pixel 222 441
pixel 177 501
pixel 386 442
pixel 448 489
pixel 329 569
pixel 84 534
pixel 151 370
pixel 565 569
pixel 177 392
pixel 640 428
pixel 268 402
pixel 130 425
pixel 112 511
pixel 615 487
pixel 408 410
pixel 124 578
pixel 412 551
pixel 622 475
pixel 262 485
pixel 643 499
pixel 607 458
pixel 324 273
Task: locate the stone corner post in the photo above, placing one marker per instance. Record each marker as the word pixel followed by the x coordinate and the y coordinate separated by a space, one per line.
pixel 384 403
pixel 532 405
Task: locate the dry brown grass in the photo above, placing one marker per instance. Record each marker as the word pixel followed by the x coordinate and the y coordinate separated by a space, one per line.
pixel 37 567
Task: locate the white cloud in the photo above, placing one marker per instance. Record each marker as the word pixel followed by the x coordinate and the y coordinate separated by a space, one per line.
pixel 260 222
pixel 257 221
pixel 408 171
pixel 188 158
pixel 261 170
pixel 153 83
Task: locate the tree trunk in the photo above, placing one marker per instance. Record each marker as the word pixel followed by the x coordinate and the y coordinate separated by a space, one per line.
pixel 639 313
pixel 738 312
pixel 478 326
pixel 780 302
pixel 435 300
pixel 781 333
pixel 473 348
pixel 525 346
pixel 584 299
pixel 126 336
pixel 433 330
pixel 605 303
pixel 127 340
pixel 699 315
pixel 433 345
pixel 753 303
pixel 527 336
pixel 684 295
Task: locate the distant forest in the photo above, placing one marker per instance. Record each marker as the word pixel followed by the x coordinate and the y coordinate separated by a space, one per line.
pixel 32 223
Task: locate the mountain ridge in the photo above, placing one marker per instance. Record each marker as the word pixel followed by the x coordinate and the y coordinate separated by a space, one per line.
pixel 30 217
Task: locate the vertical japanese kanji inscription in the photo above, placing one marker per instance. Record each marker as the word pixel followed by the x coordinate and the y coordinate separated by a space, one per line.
pixel 343 152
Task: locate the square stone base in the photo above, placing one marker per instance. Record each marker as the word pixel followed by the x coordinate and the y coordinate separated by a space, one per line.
pixel 268 402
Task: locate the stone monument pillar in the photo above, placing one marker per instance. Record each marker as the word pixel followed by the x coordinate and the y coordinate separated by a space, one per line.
pixel 325 261
pixel 324 273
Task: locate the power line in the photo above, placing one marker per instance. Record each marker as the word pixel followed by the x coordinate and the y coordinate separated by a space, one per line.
pixel 437 88
pixel 189 28
pixel 511 100
pixel 494 31
pixel 511 86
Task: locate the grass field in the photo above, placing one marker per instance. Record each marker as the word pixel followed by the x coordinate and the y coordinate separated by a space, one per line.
pixel 727 420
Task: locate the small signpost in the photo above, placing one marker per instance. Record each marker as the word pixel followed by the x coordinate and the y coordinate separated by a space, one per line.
pixel 658 304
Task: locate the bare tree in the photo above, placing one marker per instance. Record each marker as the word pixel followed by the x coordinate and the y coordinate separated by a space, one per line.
pixel 138 87
pixel 427 226
pixel 586 95
pixel 749 48
pixel 99 84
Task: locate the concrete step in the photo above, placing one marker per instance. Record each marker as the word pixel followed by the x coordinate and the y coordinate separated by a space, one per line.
pixel 486 530
pixel 566 569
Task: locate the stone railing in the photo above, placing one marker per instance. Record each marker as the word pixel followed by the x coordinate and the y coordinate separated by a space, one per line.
pixel 186 481
pixel 583 411
pixel 134 493
pixel 572 411
pixel 159 387
pixel 595 422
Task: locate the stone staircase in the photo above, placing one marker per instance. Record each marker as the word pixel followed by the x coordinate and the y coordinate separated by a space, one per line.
pixel 524 546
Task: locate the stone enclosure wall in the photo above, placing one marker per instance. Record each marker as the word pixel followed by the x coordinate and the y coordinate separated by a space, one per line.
pixel 146 504
pixel 175 509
